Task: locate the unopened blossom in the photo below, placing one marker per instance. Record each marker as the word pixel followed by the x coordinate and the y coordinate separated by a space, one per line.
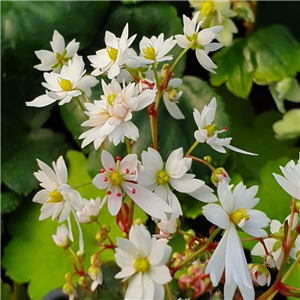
pixel 111 116
pixel 218 175
pixel 167 229
pixel 96 275
pixel 235 210
pixel 274 244
pixel 61 238
pixel 67 84
pixel 207 132
pixel 111 59
pixel 214 13
pixel 291 180
pixel 120 178
pixel 201 41
pixel 58 199
pixel 90 211
pixel 162 179
pixel 156 49
pixel 59 57
pixel 260 275
pixel 171 98
pixel 143 258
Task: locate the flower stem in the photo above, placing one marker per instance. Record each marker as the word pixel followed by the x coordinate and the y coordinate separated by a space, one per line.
pixel 168 290
pixel 81 106
pixel 78 186
pixel 128 146
pixel 130 215
pixel 130 72
pixel 202 161
pixel 179 57
pixel 290 270
pixel 192 148
pixel 197 253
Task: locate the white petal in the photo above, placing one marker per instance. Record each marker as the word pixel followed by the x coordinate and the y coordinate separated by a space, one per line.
pixel 41 101
pixel 160 274
pixel 107 160
pixel 135 288
pixel 172 108
pixel 204 194
pixel 216 215
pixel 141 238
pixel 205 61
pixel 288 186
pixel 159 253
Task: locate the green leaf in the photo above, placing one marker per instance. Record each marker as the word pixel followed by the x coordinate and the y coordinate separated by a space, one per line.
pixel 276 54
pixel 6 291
pixel 289 126
pixel 28 26
pixel 234 68
pixel 9 201
pixel 269 55
pixel 160 18
pixel 31 256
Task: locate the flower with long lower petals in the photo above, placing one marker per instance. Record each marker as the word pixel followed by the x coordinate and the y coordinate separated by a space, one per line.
pixel 90 211
pixel 59 57
pixel 274 244
pixel 111 116
pixel 235 210
pixel 120 178
pixel 143 258
pixel 201 41
pixel 162 178
pixel 114 56
pixel 291 180
pixel 155 49
pixel 61 238
pixel 171 98
pixel 67 84
pixel 57 197
pixel 207 129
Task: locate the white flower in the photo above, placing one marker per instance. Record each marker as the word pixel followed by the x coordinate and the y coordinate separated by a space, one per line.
pixel 155 49
pixel 65 85
pixel 207 129
pixel 159 178
pixel 61 238
pixel 171 98
pixel 201 41
pixel 57 197
pixel 114 56
pixel 291 180
pixel 218 175
pixel 260 274
pixel 274 244
pixel 237 210
pixel 90 211
pixel 112 115
pixel 59 57
pixel 144 259
pixel 96 275
pixel 167 229
pixel 119 178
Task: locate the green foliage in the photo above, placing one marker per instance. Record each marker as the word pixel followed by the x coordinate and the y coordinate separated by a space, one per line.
pixel 5 291
pixel 268 55
pixel 31 254
pixel 9 201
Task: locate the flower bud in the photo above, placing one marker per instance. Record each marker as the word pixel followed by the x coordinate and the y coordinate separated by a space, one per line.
pixel 269 261
pixel 67 276
pixel 100 236
pixel 90 211
pixel 188 238
pixel 203 257
pixel 61 238
pixel 298 256
pixel 68 288
pixel 260 274
pixel 208 159
pixel 218 175
pixel 80 255
pixel 297 206
pixel 81 280
pixel 137 221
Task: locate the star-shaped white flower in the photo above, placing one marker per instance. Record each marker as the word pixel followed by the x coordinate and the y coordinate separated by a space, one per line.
pixel 143 258
pixel 111 116
pixel 291 180
pixel 67 84
pixel 171 98
pixel 235 210
pixel 120 178
pixel 59 57
pixel 114 56
pixel 274 244
pixel 57 197
pixel 201 41
pixel 207 132
pixel 155 49
pixel 162 178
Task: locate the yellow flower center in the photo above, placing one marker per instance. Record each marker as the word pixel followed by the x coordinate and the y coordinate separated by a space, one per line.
pixel 162 177
pixel 111 98
pixel 141 265
pixel 240 216
pixel 112 53
pixel 55 197
pixel 65 84
pixel 210 129
pixel 149 53
pixel 207 8
pixel 116 178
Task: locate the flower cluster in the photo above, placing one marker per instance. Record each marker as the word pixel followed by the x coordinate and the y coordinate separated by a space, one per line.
pixel 157 186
